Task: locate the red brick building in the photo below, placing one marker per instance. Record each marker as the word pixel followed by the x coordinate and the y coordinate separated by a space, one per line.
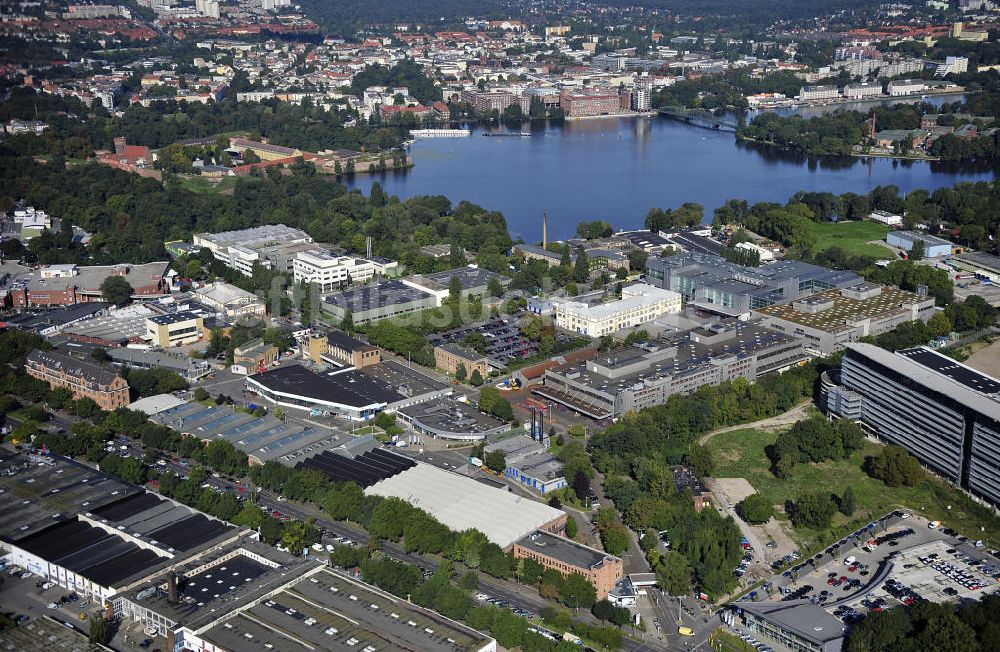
pixel 103 385
pixel 567 557
pixel 64 285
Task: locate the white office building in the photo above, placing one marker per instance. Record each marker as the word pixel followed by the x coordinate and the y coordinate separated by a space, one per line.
pixel 640 303
pixel 330 272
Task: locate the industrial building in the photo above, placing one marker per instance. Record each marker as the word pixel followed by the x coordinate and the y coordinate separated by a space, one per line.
pixel 188 368
pixel 649 373
pixel 829 320
pixel 85 379
pixel 934 247
pixel 115 537
pixel 797 625
pixel 473 281
pixel 712 283
pixel 328 271
pixel 530 463
pixel 354 394
pixel 295 606
pixel 384 300
pixel 945 413
pixel 230 300
pixel 639 304
pixel 63 285
pixel 567 557
pixel 450 419
pixel 980 263
pixel 175 329
pixel 239 249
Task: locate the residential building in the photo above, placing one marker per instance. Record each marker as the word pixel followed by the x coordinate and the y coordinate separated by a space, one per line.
pixel 448 357
pixel 485 102
pixel 933 246
pixel 329 272
pixel 712 283
pixel 175 329
pixel 63 285
pixel 640 303
pixel 230 300
pixel 650 373
pixel 642 94
pixel 863 90
pixel 568 557
pixel 945 413
pixel 830 320
pixel 813 93
pixel 83 378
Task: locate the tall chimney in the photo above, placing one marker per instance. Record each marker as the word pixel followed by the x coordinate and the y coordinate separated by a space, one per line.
pixel 119 144
pixel 172 587
pixel 545 230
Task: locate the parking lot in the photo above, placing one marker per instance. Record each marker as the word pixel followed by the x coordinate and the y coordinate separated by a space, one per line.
pixel 504 339
pixel 896 561
pixel 24 598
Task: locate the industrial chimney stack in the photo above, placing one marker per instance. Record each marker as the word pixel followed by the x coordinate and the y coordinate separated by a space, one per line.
pixel 172 587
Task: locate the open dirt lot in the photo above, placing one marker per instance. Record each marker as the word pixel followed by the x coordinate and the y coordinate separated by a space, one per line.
pixel 986 360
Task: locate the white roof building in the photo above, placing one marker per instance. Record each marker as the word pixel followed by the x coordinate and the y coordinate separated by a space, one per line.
pixel 461 503
pixel 640 303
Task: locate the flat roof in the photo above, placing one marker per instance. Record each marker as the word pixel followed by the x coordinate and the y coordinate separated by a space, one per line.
pixel 460 503
pixel 565 550
pixel 447 415
pixel 175 317
pixel 379 295
pixel 34 494
pixel 404 380
pixel 834 319
pixel 800 617
pixel 161 522
pixel 366 469
pixel 938 376
pixel 154 404
pixel 352 387
pixel 326 610
pixel 342 340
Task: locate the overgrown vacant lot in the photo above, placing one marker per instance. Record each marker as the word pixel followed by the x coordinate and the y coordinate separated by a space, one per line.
pixel 742 453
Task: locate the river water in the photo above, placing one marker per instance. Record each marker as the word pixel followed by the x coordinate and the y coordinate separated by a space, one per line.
pixel 616 169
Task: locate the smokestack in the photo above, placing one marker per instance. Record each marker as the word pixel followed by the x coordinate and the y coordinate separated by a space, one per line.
pixel 545 230
pixel 119 144
pixel 172 588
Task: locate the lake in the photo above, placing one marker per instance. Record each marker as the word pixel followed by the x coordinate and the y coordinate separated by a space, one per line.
pixel 616 169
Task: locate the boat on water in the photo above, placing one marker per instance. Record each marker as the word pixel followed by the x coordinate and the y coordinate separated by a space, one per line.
pixel 440 133
pixel 521 134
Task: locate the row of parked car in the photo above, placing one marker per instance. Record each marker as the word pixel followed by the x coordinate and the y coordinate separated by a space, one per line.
pixel 962 577
pixel 757 645
pixel 902 592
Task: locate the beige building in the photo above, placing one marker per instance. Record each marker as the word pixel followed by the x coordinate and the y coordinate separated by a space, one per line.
pixel 231 300
pixel 255 355
pixel 347 350
pixel 447 357
pixel 175 329
pixel 568 557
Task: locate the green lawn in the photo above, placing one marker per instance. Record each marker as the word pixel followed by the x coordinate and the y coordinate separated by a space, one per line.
pixel 722 640
pixel 741 453
pixel 203 184
pixel 853 237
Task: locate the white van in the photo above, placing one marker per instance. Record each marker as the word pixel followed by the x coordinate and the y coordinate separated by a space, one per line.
pixel 850 560
pixel 934 524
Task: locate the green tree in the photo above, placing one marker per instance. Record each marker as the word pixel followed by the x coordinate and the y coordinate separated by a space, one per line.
pixel 460 372
pixel 494 288
pixel 496 461
pixel 616 539
pixel 939 324
pixel 571 527
pixel 250 515
pixel 848 502
pixel 895 466
pixel 813 510
pixel 100 634
pixel 577 592
pixel 476 379
pixel 699 458
pixel 581 270
pixel 347 323
pixel 116 290
pixel 201 394
pixel 674 574
pixel 755 509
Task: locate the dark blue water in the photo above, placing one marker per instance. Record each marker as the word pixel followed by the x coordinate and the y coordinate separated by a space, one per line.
pixel 616 169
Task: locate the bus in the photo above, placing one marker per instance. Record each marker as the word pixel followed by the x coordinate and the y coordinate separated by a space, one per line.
pixel 685 631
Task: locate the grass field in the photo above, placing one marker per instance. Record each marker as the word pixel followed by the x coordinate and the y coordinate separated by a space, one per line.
pixel 202 184
pixel 853 237
pixel 725 641
pixel 741 453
